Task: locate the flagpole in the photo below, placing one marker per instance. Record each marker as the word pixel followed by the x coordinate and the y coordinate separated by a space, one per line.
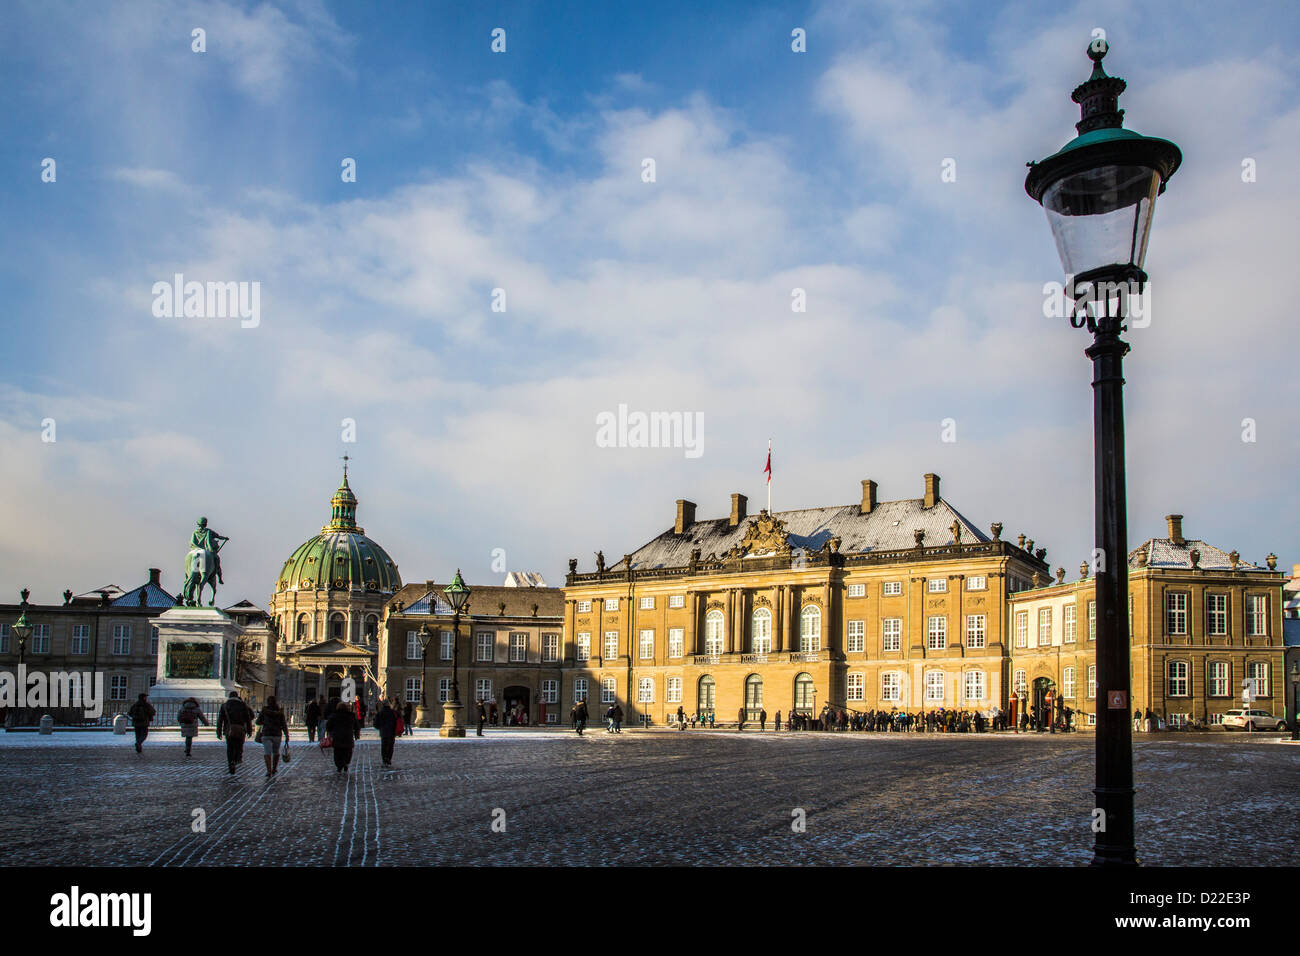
pixel 769 476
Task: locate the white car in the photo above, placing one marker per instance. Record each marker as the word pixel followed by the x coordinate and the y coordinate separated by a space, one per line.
pixel 1253 720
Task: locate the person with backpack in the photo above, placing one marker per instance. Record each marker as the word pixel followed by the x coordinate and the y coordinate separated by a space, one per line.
pixel 235 722
pixel 188 717
pixel 274 728
pixel 141 714
pixel 311 717
pixel 386 722
pixel 343 729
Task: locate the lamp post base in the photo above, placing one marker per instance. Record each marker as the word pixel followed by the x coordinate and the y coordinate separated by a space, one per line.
pixel 423 715
pixel 452 723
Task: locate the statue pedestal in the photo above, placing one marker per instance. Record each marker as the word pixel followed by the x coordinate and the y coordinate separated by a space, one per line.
pixel 196 654
pixel 452 724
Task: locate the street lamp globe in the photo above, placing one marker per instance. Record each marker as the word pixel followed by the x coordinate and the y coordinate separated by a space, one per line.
pixel 22 629
pixel 457 592
pixel 1099 191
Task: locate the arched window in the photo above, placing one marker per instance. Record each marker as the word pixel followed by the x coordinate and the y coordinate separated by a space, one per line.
pixel 810 629
pixel 805 693
pixel 760 637
pixel 372 628
pixel 713 633
pixel 753 695
pixel 304 628
pixel 707 695
pixel 337 622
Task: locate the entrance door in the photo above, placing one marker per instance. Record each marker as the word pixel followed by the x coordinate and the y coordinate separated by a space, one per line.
pixel 516 712
pixel 1042 686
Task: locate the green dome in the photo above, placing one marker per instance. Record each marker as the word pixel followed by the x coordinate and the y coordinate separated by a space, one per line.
pixel 341 557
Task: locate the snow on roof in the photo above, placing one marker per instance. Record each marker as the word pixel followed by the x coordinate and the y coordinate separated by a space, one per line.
pixel 1164 553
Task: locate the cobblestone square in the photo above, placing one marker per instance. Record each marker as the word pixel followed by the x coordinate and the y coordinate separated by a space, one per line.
pixel 701 798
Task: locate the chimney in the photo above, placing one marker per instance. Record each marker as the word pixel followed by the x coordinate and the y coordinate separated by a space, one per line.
pixel 1176 529
pixel 155 577
pixel 931 490
pixel 685 515
pixel 738 505
pixel 868 496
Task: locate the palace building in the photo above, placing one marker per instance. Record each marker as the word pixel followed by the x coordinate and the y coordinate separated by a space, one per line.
pixel 1202 623
pixel 877 604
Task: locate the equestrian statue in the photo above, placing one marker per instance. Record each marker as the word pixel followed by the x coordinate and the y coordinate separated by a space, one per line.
pixel 202 565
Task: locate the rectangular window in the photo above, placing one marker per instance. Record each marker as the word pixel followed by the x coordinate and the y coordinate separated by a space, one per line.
pixel 608 690
pixel 1257 673
pixel 1176 613
pixel 4 638
pixel 891 687
pixel 648 603
pixel 153 641
pixel 121 638
pixel 934 685
pixel 676 641
pixel 1092 621
pixel 611 604
pixel 412 689
pixel 1067 683
pixel 1022 629
pixel 976 686
pixel 81 639
pixel 584 607
pixel 584 646
pixel 1092 681
pixel 1071 625
pixel 550 692
pixel 937 585
pixel 1044 627
pixel 484 641
pixel 892 587
pixel 677 600
pixel 1219 679
pixel 892 633
pixel 483 689
pixel 1022 684
pixel 857 636
pixel 518 646
pixel 444 689
pixel 977 582
pixel 445 645
pixel 857 590
pixel 1216 614
pixel 1178 679
pixel 856 687
pixel 975 634
pixel 937 633
pixel 1092 720
pixel 674 690
pixel 117 687
pixel 550 648
pixel 646 650
pixel 645 690
pixel 1257 615
pixel 414 649
pixel 611 643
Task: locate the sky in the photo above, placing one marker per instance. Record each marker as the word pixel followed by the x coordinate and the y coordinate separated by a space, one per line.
pixel 517 178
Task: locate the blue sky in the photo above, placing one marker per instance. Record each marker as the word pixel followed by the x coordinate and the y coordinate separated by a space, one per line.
pixel 521 171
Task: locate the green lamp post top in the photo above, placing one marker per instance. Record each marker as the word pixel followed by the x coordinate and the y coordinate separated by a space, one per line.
pixel 22 627
pixel 1101 137
pixel 457 592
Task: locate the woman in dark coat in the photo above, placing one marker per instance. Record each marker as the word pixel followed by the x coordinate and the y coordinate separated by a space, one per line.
pixel 275 727
pixel 344 728
pixel 386 724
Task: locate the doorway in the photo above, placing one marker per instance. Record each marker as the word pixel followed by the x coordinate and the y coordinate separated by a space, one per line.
pixel 517 699
pixel 1042 701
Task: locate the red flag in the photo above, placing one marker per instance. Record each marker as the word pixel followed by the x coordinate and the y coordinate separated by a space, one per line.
pixel 767 470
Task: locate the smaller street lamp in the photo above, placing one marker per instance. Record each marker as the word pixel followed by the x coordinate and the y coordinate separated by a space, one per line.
pixel 1295 700
pixel 457 595
pixel 22 630
pixel 426 636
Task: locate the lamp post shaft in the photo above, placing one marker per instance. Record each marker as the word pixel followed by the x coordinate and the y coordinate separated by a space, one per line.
pixel 455 657
pixel 1114 845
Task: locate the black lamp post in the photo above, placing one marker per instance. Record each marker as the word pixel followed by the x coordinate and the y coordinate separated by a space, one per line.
pixel 457 594
pixel 1099 193
pixel 22 630
pixel 426 635
pixel 1295 700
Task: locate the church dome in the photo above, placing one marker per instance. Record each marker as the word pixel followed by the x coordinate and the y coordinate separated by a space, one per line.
pixel 341 557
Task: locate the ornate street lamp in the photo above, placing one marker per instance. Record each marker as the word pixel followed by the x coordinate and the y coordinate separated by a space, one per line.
pixel 426 636
pixel 1099 193
pixel 1295 700
pixel 22 630
pixel 457 594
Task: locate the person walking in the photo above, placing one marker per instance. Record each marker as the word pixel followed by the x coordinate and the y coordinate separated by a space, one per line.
pixel 234 721
pixel 311 717
pixel 580 716
pixel 344 730
pixel 274 729
pixel 618 718
pixel 408 712
pixel 482 716
pixel 740 720
pixel 141 714
pixel 188 717
pixel 386 724
pixel 776 724
pixel 681 717
pixel 762 718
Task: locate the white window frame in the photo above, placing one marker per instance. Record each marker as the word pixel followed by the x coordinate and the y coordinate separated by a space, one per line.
pixel 446 645
pixel 936 632
pixel 856 639
pixel 412 688
pixel 937 585
pixel 117 687
pixel 891 687
pixel 123 637
pixel 892 588
pixel 810 629
pixel 714 636
pixel 483 689
pixel 975 685
pixel 610 647
pixel 891 634
pixel 608 690
pixel 977 582
pixel 857 590
pixel 485 650
pixel 1022 629
pixel 1257 615
pixel 646 644
pixel 611 604
pixel 1257 671
pixel 1092 621
pixel 676 600
pixel 1069 682
pixel 1070 629
pixel 80 642
pixel 1021 683
pixel 857 687
pixel 550 648
pixel 1219 679
pixel 1216 617
pixel 647 602
pixel 976 631
pixel 518 647
pixel 936 683
pixel 414 650
pixel 584 607
pixel 1045 621
pixel 676 642
pixel 1178 678
pixel 1092 682
pixel 444 689
pixel 1176 613
pixel 583 646
pixel 760 631
pixel 674 690
pixel 550 691
pixel 645 690
pixel 581 689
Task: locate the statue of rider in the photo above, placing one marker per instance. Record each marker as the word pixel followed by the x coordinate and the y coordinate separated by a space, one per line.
pixel 206 539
